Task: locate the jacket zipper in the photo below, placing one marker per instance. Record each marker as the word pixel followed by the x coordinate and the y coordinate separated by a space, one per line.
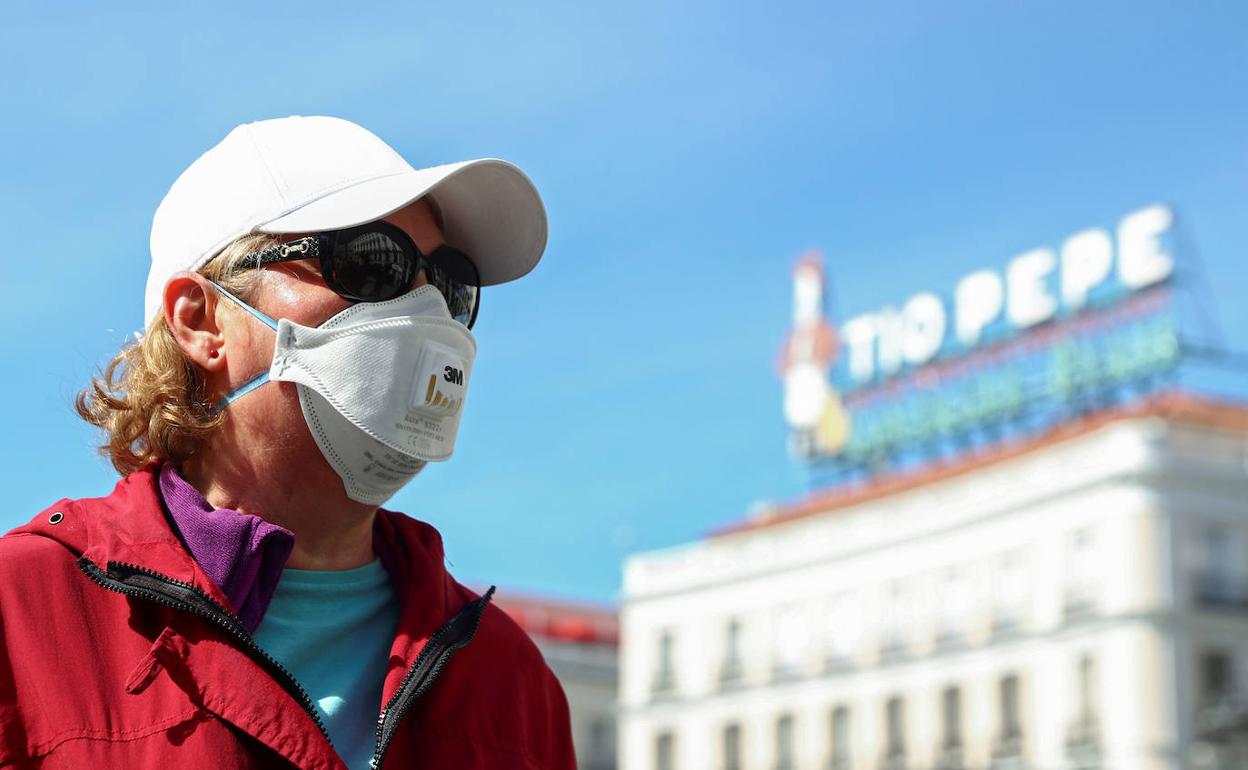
pixel 454 635
pixel 133 580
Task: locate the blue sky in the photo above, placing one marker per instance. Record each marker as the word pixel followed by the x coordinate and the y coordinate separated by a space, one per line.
pixel 624 396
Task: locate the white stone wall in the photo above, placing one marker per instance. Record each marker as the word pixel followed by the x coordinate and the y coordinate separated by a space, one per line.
pixel 1107 518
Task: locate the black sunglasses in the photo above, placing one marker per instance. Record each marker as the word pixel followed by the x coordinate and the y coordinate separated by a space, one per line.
pixel 377 261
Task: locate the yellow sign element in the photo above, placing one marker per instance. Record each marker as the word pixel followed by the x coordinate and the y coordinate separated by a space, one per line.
pixel 833 429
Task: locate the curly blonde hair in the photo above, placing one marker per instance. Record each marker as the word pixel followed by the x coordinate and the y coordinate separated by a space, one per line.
pixel 149 401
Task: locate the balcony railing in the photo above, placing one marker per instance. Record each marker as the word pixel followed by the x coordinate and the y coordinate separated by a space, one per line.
pixel 1007 753
pixel 785 672
pixel 1223 717
pixel 950 758
pixel 949 638
pixel 837 661
pixel 731 673
pixel 893 759
pixel 893 649
pixel 1085 731
pixel 1083 743
pixel 1006 622
pixel 1221 591
pixel 664 684
pixel 1078 603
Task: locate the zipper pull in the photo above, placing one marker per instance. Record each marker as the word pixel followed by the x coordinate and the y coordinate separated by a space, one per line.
pixel 150 666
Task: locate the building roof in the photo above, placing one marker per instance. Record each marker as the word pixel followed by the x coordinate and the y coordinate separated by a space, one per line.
pixel 562 620
pixel 1173 406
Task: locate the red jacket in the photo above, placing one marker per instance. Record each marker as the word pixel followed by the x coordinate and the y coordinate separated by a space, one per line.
pixel 117 651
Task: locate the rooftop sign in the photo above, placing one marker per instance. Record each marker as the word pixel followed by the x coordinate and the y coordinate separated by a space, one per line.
pixel 1053 327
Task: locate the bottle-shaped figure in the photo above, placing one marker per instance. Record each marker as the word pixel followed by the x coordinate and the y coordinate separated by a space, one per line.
pixel 812 407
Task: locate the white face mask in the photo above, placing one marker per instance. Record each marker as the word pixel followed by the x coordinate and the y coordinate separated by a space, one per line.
pixel 381 385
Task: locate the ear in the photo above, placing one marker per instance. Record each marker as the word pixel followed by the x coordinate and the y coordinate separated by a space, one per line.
pixel 190 304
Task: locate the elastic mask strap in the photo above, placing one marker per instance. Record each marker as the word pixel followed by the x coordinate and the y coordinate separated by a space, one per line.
pixel 260 378
pixel 242 390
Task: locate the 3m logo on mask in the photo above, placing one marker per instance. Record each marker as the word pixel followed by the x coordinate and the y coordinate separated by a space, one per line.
pixel 440 377
pixel 435 397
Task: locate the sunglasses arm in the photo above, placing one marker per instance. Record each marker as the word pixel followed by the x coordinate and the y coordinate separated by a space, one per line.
pixel 304 248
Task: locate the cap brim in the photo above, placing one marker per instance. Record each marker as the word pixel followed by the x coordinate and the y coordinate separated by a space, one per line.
pixel 490 209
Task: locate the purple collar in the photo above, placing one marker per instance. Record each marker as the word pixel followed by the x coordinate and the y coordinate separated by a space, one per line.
pixel 243 554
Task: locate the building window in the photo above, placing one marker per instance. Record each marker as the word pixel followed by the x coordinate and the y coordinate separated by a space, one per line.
pixel 1010 732
pixel 731 670
pixel 1217 676
pixel 789 642
pixel 664 674
pixel 732 747
pixel 1220 568
pixel 843 629
pixel 1010 594
pixel 896 623
pixel 785 752
pixel 1082 574
pixel 838 739
pixel 1083 733
pixel 949 752
pixel 951 717
pixel 665 751
pixel 955 605
pixel 894 734
pixel 601 749
pixel 1010 727
pixel 1087 689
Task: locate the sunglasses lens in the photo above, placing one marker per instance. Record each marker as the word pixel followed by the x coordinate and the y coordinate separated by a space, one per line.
pixel 375 265
pixel 372 267
pixel 455 276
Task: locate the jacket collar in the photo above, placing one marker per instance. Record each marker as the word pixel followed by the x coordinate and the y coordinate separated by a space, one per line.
pixel 130 526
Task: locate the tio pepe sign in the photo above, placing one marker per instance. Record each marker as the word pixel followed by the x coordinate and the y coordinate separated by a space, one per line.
pixel 1035 287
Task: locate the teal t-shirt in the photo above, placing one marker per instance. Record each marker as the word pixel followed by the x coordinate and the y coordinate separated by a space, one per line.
pixel 333 630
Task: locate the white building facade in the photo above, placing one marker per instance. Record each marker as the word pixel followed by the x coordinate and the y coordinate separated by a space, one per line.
pixel 1076 601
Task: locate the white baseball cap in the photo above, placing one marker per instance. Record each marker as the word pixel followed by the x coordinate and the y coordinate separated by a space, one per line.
pixel 312 174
